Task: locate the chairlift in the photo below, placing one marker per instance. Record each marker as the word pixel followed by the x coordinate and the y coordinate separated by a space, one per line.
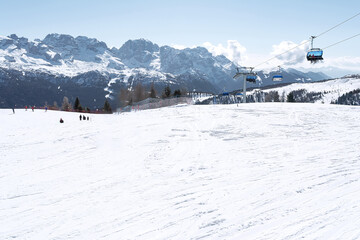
pixel 279 77
pixel 314 54
pixel 251 77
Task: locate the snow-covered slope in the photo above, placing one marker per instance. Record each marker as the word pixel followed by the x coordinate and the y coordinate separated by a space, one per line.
pixel 257 171
pixel 331 90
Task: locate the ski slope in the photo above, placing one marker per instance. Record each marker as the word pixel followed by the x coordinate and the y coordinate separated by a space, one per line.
pixel 256 171
pixel 331 90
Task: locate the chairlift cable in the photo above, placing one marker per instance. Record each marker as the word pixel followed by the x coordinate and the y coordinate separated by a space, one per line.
pixel 314 37
pixel 338 25
pixel 282 53
pixel 342 41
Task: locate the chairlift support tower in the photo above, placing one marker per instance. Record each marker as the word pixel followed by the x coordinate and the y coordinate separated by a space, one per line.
pixel 244 74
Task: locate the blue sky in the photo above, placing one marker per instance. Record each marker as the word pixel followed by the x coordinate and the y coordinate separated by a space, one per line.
pixel 255 25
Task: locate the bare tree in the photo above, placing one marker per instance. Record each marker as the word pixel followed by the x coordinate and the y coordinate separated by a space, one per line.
pixel 66 106
pixel 272 96
pixel 152 91
pixel 124 97
pixel 139 93
pixel 184 92
pixel 55 105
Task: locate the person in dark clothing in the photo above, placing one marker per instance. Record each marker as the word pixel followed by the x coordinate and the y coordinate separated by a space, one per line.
pixel 84 117
pixel 87 118
pixel 80 117
pixel 61 120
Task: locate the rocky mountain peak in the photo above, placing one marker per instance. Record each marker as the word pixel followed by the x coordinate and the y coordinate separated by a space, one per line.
pixel 139 45
pixel 59 40
pixel 138 53
pixel 90 43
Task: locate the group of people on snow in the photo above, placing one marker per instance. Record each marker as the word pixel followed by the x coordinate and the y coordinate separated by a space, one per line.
pixel 32 108
pixel 81 117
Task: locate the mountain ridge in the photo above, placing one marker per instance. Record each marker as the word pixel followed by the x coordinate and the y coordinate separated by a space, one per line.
pixel 64 58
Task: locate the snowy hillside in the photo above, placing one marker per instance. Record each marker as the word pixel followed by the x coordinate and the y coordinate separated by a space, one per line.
pixel 331 90
pixel 257 171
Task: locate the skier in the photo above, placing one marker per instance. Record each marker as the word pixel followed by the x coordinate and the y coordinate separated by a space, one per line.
pixel 32 108
pixel 45 108
pixel 13 110
pixel 61 120
pixel 25 107
pixel 80 117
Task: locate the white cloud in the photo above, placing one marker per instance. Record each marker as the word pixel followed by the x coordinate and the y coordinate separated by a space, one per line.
pixel 292 57
pixel 335 66
pixel 233 51
pixel 296 58
pixel 181 47
pixel 177 46
pixel 349 63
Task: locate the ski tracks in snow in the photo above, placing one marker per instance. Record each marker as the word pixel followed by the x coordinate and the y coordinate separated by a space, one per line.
pixel 257 171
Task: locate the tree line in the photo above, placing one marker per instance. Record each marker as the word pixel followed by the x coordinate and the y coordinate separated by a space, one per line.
pixel 350 98
pixel 139 93
pixel 66 106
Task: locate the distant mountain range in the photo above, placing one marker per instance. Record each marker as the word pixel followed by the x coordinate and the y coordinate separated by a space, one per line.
pixel 32 72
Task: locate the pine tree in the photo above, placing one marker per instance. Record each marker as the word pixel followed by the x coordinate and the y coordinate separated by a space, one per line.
pixel 167 92
pixel 290 97
pixel 107 107
pixel 177 93
pixel 77 106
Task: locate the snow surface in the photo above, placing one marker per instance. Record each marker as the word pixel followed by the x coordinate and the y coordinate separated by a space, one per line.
pixel 256 171
pixel 332 89
pixel 4 38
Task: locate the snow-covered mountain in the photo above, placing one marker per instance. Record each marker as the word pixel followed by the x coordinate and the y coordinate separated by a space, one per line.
pixel 61 59
pixel 323 91
pixel 64 55
pixel 345 90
